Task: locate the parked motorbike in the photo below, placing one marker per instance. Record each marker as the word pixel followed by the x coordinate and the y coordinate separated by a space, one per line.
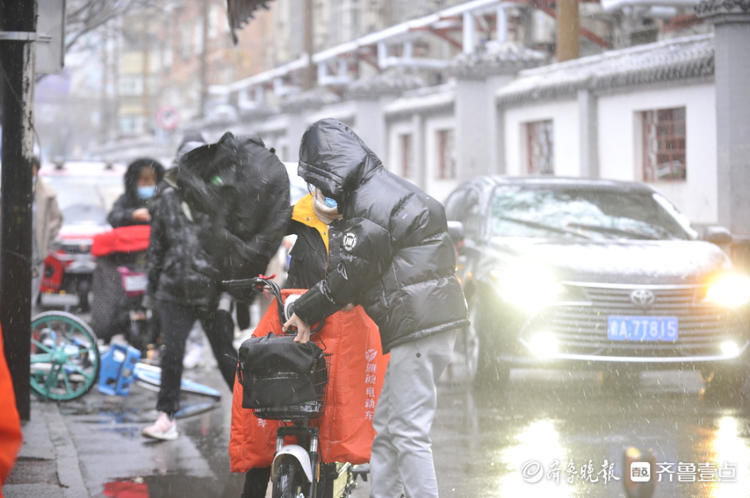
pixel 119 287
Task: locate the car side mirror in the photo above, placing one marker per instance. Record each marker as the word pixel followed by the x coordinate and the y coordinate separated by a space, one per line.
pixel 456 231
pixel 717 235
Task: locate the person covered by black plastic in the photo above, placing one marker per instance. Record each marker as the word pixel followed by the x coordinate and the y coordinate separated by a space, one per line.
pixel 221 215
pixel 392 254
pixel 141 179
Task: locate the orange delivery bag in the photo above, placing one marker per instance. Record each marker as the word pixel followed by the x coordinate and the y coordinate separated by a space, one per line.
pixel 356 370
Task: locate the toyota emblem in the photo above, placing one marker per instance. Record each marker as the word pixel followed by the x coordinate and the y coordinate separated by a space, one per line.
pixel 642 297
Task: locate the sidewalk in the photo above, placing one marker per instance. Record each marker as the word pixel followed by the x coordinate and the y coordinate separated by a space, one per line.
pixel 47 464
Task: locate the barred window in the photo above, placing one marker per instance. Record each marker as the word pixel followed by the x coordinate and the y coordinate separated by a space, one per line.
pixel 405 152
pixel 446 154
pixel 664 145
pixel 540 148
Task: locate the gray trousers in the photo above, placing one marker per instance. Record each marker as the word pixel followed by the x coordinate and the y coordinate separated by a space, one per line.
pixel 401 460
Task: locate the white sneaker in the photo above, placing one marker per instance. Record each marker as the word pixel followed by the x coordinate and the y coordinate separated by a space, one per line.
pixel 164 428
pixel 193 357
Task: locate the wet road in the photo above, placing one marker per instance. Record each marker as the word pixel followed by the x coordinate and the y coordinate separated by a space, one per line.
pixel 487 443
pixel 507 444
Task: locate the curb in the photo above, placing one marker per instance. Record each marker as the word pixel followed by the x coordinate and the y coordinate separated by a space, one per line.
pixel 68 466
pixel 47 464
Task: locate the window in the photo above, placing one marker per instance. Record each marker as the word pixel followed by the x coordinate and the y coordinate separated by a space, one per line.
pixel 540 148
pixel 186 41
pixel 131 125
pixel 198 38
pixel 214 21
pixel 446 155
pixel 664 145
pixel 405 149
pixel 166 58
pixel 130 86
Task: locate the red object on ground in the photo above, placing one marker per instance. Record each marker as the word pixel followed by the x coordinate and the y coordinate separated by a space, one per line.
pixel 133 238
pixel 355 378
pixel 10 422
pixel 126 489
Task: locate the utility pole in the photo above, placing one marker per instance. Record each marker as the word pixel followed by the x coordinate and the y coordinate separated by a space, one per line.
pixel 146 70
pixel 104 104
pixel 18 24
pixel 204 60
pixel 568 30
pixel 310 72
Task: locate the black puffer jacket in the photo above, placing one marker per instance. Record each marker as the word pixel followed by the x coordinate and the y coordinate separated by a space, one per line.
pixel 391 252
pixel 122 210
pixel 222 216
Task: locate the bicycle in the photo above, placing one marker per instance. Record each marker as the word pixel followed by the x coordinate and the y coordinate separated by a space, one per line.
pixel 296 470
pixel 65 358
pixel 66 361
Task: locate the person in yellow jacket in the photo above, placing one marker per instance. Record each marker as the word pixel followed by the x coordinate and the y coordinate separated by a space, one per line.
pixel 311 216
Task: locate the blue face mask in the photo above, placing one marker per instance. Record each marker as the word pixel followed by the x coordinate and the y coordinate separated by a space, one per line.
pixel 146 191
pixel 331 203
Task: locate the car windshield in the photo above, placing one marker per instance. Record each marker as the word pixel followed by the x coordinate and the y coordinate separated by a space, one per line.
pixel 85 214
pixel 583 213
pixel 100 190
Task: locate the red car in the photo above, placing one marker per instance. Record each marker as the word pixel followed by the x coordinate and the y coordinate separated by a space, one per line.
pixel 85 193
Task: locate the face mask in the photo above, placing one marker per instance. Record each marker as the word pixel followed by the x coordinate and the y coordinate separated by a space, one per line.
pixel 331 203
pixel 146 191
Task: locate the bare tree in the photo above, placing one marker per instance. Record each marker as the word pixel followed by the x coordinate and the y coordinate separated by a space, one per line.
pixel 85 16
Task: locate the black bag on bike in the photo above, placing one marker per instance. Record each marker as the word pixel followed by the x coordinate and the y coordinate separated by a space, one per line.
pixel 276 372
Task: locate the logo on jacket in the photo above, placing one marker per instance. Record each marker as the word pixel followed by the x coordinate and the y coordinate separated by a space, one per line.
pixel 350 240
pixel 642 297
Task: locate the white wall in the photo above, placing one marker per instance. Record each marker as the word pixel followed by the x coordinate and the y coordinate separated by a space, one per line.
pixel 565 125
pixel 439 189
pixel 619 144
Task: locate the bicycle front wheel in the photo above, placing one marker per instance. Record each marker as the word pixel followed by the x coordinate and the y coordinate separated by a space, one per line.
pixel 289 481
pixel 64 356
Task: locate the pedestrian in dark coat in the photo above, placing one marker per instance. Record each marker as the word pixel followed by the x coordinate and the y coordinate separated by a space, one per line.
pixel 222 215
pixel 391 253
pixel 141 179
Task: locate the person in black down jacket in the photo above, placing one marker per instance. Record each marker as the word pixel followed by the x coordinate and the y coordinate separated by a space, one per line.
pixel 222 215
pixel 391 253
pixel 141 179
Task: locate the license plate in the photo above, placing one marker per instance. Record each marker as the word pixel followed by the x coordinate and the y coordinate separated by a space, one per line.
pixel 137 282
pixel 643 328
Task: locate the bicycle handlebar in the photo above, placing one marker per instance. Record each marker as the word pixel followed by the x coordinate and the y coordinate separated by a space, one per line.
pixel 261 282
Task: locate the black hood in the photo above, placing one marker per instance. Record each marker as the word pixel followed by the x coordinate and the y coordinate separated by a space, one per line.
pixel 206 173
pixel 333 158
pixel 134 170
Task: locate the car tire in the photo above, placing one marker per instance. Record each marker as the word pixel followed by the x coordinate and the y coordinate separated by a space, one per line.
pixel 484 369
pixel 724 382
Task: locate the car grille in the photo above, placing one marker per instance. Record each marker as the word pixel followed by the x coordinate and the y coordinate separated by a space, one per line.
pixel 76 248
pixel 581 328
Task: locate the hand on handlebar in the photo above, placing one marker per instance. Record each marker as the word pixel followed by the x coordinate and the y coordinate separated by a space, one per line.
pixel 303 329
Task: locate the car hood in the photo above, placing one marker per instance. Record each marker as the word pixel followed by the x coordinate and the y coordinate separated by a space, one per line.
pixel 639 262
pixel 81 231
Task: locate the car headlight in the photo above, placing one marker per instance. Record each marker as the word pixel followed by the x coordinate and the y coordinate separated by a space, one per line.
pixel 730 290
pixel 527 286
pixel 544 345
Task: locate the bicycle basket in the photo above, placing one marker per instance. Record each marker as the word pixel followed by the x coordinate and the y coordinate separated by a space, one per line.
pixel 281 379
